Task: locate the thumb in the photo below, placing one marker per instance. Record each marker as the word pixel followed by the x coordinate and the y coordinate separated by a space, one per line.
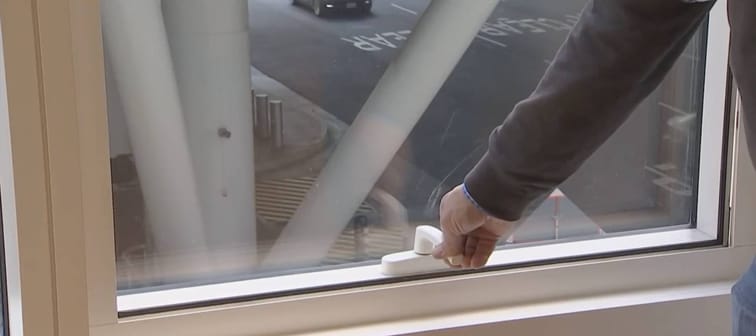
pixel 452 247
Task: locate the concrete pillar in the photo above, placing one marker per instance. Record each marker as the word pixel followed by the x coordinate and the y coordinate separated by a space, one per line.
pixel 210 46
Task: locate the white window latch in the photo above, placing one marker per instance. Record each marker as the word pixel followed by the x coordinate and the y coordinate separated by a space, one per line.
pixel 419 260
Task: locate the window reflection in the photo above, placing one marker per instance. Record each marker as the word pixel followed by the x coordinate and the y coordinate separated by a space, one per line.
pixel 224 114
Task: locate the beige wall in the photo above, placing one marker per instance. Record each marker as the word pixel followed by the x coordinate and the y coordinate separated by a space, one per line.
pixel 709 316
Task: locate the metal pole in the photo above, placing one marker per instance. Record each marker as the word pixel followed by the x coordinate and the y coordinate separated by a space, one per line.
pixel 556 217
pixel 408 86
pixel 556 196
pixel 276 123
pixel 263 116
pixel 253 110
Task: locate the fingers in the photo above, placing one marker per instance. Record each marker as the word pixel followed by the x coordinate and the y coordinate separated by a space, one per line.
pixel 460 220
pixel 477 251
pixel 474 254
pixel 453 262
pixel 454 243
pixel 450 249
pixel 483 249
pixel 453 225
pixel 471 244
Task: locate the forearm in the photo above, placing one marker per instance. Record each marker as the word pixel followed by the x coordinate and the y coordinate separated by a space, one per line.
pixel 616 55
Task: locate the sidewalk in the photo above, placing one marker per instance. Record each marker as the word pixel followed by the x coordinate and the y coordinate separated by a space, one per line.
pixel 310 134
pixel 284 177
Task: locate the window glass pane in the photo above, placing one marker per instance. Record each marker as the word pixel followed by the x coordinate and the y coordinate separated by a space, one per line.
pixel 224 114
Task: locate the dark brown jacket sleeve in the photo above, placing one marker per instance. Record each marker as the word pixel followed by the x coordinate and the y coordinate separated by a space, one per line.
pixel 615 56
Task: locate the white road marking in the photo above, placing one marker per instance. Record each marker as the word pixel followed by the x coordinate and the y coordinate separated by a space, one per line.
pixel 491 32
pixel 547 62
pixel 690 57
pixel 404 9
pixel 448 126
pixel 492 41
pixel 675 109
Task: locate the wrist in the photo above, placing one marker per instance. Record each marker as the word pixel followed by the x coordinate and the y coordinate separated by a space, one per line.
pixel 475 203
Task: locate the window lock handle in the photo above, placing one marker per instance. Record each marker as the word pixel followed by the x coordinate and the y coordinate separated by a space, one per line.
pixel 419 260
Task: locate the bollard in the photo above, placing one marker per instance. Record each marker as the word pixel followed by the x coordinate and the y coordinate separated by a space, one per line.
pixel 276 122
pixel 263 116
pixel 254 110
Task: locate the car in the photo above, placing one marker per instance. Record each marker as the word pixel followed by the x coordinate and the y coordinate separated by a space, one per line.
pixel 323 7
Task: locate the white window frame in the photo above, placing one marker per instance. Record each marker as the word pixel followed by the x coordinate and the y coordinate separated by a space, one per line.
pixel 63 224
pixel 705 230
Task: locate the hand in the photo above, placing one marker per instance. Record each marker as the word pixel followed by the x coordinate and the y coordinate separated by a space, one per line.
pixel 468 232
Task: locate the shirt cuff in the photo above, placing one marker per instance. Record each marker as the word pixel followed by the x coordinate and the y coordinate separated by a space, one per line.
pixel 474 202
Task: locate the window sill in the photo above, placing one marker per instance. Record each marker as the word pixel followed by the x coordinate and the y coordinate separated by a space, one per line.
pixel 500 315
pixel 409 301
pixel 133 304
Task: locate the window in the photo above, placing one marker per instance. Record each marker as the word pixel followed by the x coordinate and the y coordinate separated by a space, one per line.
pixel 239 109
pixel 182 178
